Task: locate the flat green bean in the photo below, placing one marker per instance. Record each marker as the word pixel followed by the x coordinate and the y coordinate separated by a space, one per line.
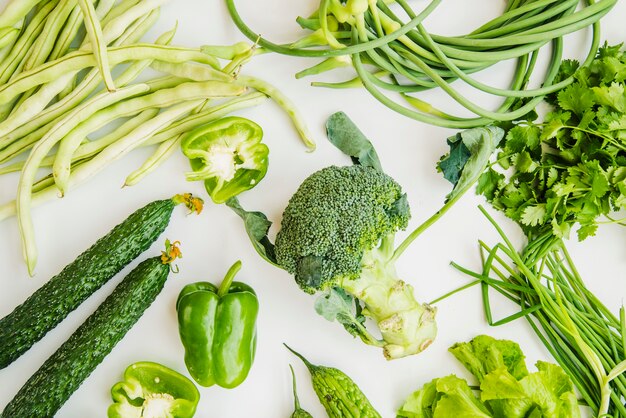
pixel 84 89
pixel 103 8
pixel 8 36
pixel 117 10
pixel 191 71
pixel 68 34
pixel 208 115
pixel 164 151
pixel 90 148
pixel 99 45
pixel 15 11
pixel 79 60
pixel 39 152
pixel 116 26
pixel 161 98
pixel 15 60
pixel 92 167
pixel 34 104
pixel 44 44
pixel 285 103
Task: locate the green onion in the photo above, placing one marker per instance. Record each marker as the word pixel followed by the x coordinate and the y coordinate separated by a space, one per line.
pixel 394 52
pixel 581 333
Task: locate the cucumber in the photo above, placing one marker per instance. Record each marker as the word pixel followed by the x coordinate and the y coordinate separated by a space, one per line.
pixel 55 381
pixel 51 303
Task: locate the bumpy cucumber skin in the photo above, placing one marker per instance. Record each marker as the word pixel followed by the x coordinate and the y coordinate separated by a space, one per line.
pixel 339 395
pixel 55 381
pixel 49 305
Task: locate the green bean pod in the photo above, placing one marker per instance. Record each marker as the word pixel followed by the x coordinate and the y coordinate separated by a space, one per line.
pixel 80 60
pixel 13 63
pixel 15 11
pixel 160 98
pixel 41 150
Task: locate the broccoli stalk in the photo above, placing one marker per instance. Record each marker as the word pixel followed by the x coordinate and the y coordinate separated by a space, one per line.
pixel 407 327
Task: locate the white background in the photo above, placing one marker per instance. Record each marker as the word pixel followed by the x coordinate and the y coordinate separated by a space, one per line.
pixel 213 241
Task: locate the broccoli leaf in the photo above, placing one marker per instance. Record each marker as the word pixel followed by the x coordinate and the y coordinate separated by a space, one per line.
pixel 346 136
pixel 257 226
pixel 469 155
pixel 337 305
pixel 451 165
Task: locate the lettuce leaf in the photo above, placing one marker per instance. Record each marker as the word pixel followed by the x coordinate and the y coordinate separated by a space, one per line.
pixel 485 354
pixel 507 389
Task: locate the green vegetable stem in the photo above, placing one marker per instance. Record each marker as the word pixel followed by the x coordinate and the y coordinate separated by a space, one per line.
pixel 392 52
pixel 227 155
pixel 298 411
pixel 218 330
pixel 339 395
pixel 151 390
pixel 581 333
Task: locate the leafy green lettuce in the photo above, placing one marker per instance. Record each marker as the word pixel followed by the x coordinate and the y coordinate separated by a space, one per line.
pixel 507 389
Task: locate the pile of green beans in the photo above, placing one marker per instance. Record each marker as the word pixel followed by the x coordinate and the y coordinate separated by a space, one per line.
pixel 389 47
pixel 60 88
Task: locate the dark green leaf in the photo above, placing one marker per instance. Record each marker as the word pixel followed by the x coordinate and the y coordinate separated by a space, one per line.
pixel 481 143
pixel 346 136
pixel 337 305
pixel 451 165
pixel 257 226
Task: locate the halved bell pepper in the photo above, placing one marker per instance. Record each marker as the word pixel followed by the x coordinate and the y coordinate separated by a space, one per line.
pixel 151 390
pixel 227 155
pixel 218 330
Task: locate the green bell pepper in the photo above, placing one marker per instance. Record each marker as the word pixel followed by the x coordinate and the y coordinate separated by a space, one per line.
pixel 218 330
pixel 227 155
pixel 151 390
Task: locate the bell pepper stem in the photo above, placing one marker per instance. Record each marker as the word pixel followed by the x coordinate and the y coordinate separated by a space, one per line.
pixel 228 279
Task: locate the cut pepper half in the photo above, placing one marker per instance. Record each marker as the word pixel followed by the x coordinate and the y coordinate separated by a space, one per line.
pixel 227 155
pixel 151 390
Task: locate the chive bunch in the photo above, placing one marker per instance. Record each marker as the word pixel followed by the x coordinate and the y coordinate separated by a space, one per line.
pixel 582 334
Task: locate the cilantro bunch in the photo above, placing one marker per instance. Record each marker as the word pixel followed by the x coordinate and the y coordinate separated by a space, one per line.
pixel 570 170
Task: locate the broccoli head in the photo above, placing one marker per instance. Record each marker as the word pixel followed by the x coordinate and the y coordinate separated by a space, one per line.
pixel 335 216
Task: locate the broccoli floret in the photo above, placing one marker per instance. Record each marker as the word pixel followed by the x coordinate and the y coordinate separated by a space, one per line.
pixel 337 235
pixel 336 215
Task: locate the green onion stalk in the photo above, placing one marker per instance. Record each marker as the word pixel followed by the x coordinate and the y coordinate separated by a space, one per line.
pixel 581 333
pixel 391 51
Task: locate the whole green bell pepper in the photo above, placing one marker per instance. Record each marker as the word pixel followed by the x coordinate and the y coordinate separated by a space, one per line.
pixel 218 330
pixel 151 390
pixel 227 155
